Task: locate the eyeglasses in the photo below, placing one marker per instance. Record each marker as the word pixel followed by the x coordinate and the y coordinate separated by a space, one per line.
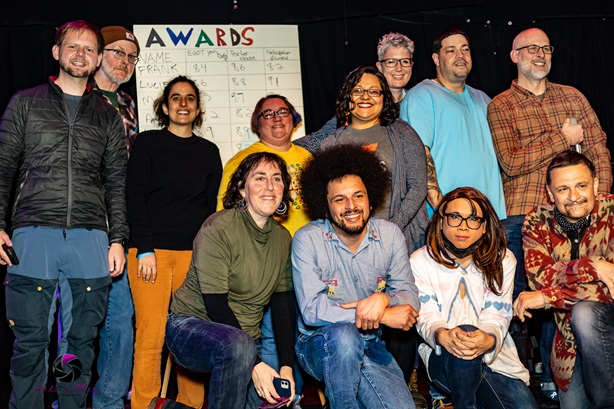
pixel 392 62
pixel 270 114
pixel 120 55
pixel 373 92
pixel 534 49
pixel 455 220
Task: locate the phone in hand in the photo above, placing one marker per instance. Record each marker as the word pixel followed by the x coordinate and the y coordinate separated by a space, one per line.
pixel 282 387
pixel 10 252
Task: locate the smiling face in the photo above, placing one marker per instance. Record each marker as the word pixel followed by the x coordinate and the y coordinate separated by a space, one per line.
pixel 78 54
pixel 453 62
pixel 573 190
pixel 181 107
pixel 276 133
pixel 366 108
pixel 531 67
pixel 348 206
pixel 397 77
pixel 462 236
pixel 118 71
pixel 263 191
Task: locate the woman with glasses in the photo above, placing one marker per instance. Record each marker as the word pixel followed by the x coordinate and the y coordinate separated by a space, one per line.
pixel 368 116
pixel 173 179
pixel 274 119
pixel 465 278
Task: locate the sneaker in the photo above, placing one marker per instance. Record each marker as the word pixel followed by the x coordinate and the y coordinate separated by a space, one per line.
pixel 442 403
pixel 550 391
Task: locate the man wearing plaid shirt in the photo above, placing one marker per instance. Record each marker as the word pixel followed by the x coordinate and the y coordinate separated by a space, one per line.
pixel 530 124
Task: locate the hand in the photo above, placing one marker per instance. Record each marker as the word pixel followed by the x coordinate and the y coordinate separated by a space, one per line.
pixel 400 316
pixel 262 376
pixel 147 268
pixel 287 373
pixel 573 132
pixel 465 345
pixel 528 300
pixel 369 311
pixel 4 258
pixel 605 273
pixel 117 259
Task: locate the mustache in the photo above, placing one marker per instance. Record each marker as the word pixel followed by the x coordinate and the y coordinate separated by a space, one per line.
pixel 351 211
pixel 575 202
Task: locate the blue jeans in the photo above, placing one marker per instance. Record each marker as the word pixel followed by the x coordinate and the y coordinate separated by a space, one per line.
pixel 473 384
pixel 227 353
pixel 116 348
pixel 513 234
pixel 357 372
pixel 592 383
pixel 545 343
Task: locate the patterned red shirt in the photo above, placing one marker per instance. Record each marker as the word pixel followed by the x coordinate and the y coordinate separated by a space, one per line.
pixel 526 132
pixel 564 281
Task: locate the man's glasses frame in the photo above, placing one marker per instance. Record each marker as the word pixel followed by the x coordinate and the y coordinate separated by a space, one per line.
pixel 121 55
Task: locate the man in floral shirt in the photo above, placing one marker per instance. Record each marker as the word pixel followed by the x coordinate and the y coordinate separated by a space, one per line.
pixel 569 260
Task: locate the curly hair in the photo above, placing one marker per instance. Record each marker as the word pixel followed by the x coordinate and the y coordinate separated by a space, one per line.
pixel 345 104
pixel 335 163
pixel 164 119
pixel 254 121
pixel 488 257
pixel 233 198
pixel 394 40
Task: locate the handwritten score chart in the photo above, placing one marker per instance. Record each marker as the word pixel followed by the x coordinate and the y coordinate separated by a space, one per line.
pixel 234 66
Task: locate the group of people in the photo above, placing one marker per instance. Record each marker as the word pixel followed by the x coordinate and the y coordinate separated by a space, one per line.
pixel 343 255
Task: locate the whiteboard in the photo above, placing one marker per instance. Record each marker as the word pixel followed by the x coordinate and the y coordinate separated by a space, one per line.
pixel 233 65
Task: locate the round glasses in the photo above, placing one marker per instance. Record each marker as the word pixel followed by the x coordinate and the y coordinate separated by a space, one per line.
pixel 270 114
pixel 534 49
pixel 455 220
pixel 120 55
pixel 392 62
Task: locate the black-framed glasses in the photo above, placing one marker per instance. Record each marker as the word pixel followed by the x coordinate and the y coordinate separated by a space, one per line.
pixel 120 55
pixel 392 62
pixel 270 114
pixel 534 49
pixel 455 220
pixel 373 92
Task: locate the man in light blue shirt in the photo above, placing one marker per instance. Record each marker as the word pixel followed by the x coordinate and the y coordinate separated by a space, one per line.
pixel 351 275
pixel 450 118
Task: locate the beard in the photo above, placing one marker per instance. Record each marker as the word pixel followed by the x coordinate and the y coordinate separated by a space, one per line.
pixel 350 230
pixel 525 68
pixel 76 72
pixel 111 74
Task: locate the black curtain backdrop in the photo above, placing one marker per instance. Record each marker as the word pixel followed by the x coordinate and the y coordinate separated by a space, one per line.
pixel 337 35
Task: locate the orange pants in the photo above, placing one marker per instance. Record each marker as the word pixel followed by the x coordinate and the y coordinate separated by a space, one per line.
pixel 151 303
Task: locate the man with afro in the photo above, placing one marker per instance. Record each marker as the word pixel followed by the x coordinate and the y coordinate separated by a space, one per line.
pixel 351 276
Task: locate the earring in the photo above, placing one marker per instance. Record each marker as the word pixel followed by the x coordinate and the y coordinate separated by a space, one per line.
pixel 242 206
pixel 347 116
pixel 283 206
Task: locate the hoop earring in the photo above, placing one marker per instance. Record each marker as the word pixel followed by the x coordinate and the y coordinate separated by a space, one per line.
pixel 283 206
pixel 242 206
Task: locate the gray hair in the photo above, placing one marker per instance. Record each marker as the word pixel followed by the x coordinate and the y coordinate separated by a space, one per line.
pixel 394 40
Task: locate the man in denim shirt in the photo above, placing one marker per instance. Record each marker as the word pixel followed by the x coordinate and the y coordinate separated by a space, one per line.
pixel 351 275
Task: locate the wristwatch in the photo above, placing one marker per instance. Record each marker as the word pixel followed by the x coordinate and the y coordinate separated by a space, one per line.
pixel 123 242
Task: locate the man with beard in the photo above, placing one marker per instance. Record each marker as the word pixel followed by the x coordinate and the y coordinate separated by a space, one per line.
pixel 351 276
pixel 114 365
pixel 530 124
pixel 63 147
pixel 570 266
